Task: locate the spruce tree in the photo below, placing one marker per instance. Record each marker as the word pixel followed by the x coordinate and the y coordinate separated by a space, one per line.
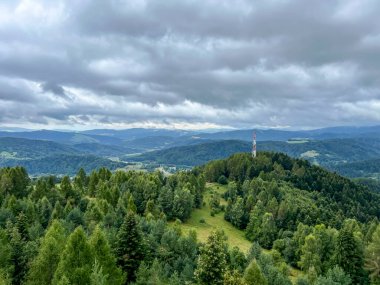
pixel 253 274
pixel 349 256
pixel 18 254
pixel 130 249
pixel 65 187
pixel 44 265
pixel 76 260
pixel 105 258
pixel 212 260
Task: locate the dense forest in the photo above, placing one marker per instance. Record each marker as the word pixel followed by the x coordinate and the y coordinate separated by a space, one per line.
pixel 124 227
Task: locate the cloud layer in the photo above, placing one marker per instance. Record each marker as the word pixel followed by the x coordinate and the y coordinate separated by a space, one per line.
pixel 190 63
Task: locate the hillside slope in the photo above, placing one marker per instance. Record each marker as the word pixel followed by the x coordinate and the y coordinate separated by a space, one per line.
pixel 329 153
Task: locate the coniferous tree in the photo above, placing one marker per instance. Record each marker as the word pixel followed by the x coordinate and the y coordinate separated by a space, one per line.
pixel 76 260
pixel 233 278
pixel 65 187
pixel 98 277
pixel 42 268
pixel 130 249
pixel 18 259
pixel 105 258
pixel 212 261
pixel 131 205
pixel 165 200
pixel 349 256
pixel 253 274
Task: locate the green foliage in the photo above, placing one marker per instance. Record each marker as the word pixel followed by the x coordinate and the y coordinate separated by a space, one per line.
pixel 43 267
pixel 212 261
pixel 334 276
pixel 105 260
pixel 349 256
pixel 76 260
pixel 310 256
pixel 372 256
pixel 253 274
pixel 121 231
pixel 97 276
pixel 130 248
pixel 233 278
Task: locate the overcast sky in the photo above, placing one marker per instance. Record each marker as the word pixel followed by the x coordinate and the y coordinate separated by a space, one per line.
pixel 189 64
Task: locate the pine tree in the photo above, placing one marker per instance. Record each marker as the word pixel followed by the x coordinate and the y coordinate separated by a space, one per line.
pixel 349 256
pixel 76 260
pixel 44 265
pixel 212 260
pixel 130 249
pixel 45 211
pixel 253 274
pixel 105 259
pixel 131 205
pixel 165 201
pixel 65 187
pixel 80 180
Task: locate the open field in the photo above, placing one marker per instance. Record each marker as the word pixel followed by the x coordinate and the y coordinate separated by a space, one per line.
pixel 235 236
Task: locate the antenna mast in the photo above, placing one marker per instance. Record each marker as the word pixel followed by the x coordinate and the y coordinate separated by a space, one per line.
pixel 254 145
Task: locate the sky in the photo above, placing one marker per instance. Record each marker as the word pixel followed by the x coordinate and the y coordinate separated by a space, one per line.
pixel 189 64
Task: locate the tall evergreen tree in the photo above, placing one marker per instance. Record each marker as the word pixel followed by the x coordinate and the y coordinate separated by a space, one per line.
pixel 105 258
pixel 130 249
pixel 42 268
pixel 253 274
pixel 349 256
pixel 18 257
pixel 76 260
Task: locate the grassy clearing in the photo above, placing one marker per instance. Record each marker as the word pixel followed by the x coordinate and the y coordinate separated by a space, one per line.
pixel 235 237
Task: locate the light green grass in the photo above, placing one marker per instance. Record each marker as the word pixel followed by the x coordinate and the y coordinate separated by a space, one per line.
pixel 235 236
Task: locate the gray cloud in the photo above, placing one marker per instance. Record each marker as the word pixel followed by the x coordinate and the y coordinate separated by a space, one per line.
pixel 191 63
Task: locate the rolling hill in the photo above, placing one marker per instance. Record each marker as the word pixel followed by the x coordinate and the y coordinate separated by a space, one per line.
pixel 350 157
pixel 47 157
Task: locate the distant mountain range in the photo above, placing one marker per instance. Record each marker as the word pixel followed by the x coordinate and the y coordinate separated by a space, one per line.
pixel 47 157
pixel 351 157
pixel 344 149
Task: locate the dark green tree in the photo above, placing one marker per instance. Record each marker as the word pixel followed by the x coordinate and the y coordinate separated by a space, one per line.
pixel 349 256
pixel 130 248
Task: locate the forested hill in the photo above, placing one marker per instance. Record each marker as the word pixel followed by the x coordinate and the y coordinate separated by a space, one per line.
pixel 47 157
pixel 317 228
pixel 350 157
pixel 194 154
pixel 333 195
